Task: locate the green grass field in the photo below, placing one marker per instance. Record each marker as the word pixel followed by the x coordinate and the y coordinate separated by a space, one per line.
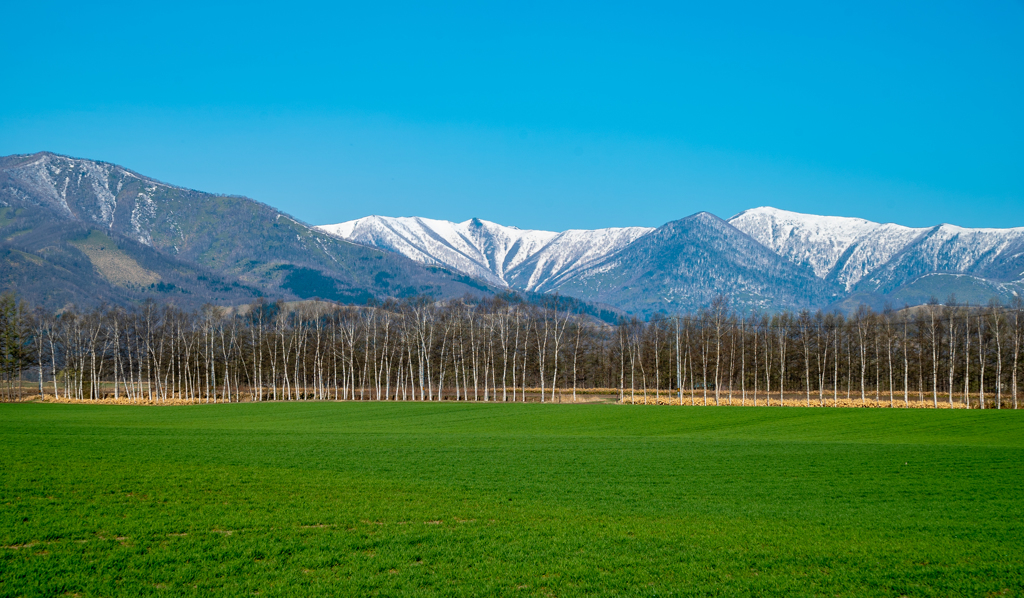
pixel 400 499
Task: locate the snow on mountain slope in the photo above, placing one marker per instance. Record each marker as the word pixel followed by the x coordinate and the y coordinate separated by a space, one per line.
pixel 501 255
pixel 991 253
pixel 837 248
pixel 478 248
pixel 568 253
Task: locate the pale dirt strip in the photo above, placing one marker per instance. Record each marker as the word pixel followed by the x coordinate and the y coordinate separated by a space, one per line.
pixel 697 398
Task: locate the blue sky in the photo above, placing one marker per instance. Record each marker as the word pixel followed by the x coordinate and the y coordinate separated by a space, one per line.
pixel 538 115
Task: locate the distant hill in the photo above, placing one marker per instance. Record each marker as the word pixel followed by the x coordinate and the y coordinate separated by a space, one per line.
pixel 87 232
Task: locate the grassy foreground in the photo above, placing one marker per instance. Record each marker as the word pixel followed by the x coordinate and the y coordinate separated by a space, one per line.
pixel 490 499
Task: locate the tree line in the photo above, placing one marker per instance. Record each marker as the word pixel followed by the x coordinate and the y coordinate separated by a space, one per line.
pixel 507 349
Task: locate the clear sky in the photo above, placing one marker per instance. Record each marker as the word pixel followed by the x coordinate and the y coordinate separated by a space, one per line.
pixel 537 114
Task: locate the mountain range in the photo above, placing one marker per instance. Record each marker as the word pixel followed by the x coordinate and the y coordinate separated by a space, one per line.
pixel 83 232
pixel 764 258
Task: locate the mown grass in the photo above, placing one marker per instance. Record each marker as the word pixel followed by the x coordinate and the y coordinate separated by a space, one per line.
pixel 532 500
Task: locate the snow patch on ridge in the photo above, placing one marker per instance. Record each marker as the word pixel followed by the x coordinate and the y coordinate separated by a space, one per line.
pixel 143 212
pixel 99 177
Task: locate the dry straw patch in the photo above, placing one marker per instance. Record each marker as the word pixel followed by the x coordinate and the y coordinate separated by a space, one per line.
pixel 110 400
pixel 793 399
